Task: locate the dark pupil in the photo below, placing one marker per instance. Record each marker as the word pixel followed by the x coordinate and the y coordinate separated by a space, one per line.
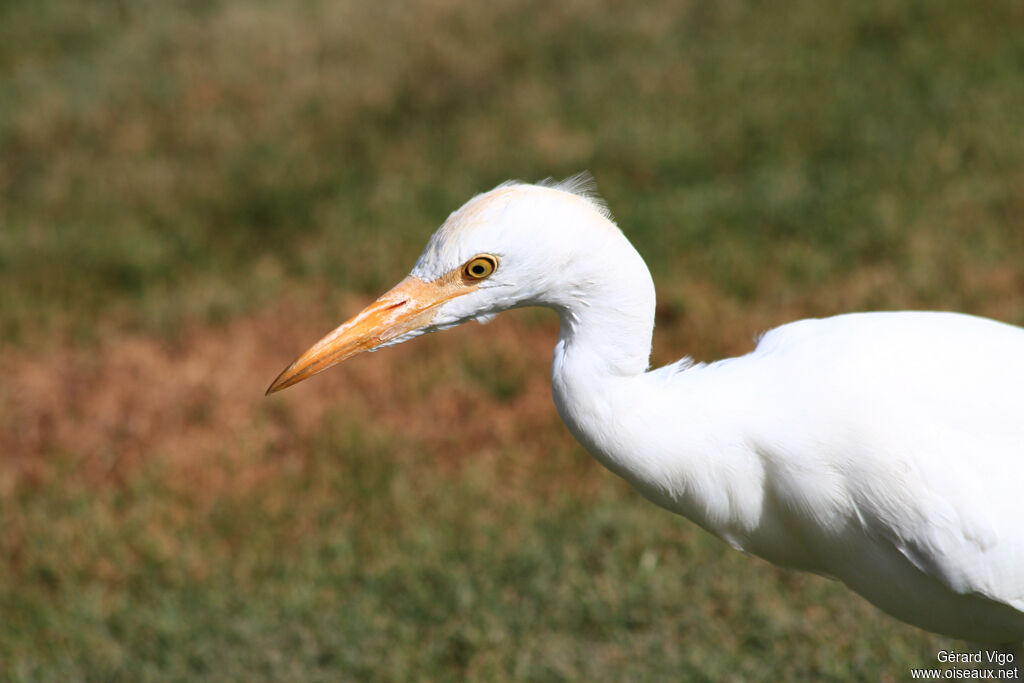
pixel 478 269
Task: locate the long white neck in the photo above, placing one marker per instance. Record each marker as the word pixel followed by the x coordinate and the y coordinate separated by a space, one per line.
pixel 630 419
pixel 603 352
pixel 607 313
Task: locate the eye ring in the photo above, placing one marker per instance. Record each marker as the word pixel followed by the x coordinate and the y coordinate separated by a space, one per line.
pixel 480 267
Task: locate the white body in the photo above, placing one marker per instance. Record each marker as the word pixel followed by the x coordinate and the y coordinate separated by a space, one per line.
pixel 883 449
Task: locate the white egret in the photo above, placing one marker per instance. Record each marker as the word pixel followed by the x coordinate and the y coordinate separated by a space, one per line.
pixel 885 450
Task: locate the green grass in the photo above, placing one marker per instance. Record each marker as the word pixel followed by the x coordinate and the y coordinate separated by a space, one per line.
pixel 168 167
pixel 153 152
pixel 365 561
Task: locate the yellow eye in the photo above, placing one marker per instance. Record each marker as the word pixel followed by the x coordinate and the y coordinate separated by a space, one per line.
pixel 479 267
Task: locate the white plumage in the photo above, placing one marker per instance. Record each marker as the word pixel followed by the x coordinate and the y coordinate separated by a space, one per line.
pixel 883 449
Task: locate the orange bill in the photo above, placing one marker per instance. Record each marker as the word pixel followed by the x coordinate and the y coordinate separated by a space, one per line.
pixel 410 305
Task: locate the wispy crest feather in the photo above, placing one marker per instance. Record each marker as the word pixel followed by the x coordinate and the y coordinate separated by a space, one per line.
pixel 581 184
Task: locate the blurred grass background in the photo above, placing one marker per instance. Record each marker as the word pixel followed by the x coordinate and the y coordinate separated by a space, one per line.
pixel 191 192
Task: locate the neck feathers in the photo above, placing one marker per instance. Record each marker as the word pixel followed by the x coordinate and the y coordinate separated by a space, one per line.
pixel 607 313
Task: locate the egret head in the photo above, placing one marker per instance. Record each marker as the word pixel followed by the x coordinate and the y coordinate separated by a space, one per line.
pixel 517 245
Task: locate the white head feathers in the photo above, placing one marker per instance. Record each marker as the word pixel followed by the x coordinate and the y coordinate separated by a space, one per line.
pixel 510 204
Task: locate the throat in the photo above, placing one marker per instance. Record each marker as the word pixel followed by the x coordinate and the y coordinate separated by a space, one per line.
pixel 607 320
pixel 600 385
pixel 650 428
pixel 601 342
pixel 603 350
pixel 666 432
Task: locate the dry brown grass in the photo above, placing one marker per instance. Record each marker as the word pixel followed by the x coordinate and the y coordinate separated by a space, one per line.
pixel 197 404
